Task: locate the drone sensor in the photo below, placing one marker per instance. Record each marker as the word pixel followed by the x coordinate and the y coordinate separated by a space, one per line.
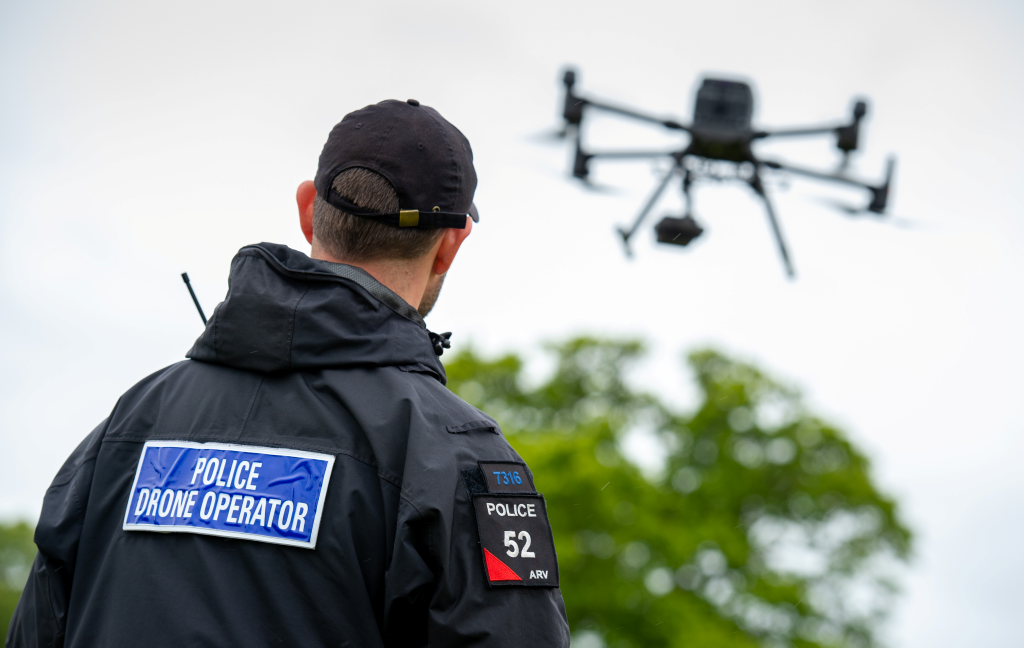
pixel 677 231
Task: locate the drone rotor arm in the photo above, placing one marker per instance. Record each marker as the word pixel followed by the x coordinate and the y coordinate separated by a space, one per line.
pixel 581 164
pixel 629 112
pixel 847 134
pixel 879 193
pixel 799 132
pixel 817 175
pixel 632 155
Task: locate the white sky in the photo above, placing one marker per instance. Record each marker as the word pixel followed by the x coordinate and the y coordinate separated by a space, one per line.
pixel 138 140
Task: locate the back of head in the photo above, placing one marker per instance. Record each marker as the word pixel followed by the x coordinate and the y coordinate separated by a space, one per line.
pixel 391 177
pixel 359 239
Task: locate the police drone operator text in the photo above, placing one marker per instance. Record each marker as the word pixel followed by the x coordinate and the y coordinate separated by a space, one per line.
pixel 304 477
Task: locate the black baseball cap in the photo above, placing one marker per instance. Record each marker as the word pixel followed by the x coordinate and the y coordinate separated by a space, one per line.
pixel 426 159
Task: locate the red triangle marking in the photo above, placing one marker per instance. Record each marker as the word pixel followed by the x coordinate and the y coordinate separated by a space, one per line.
pixel 497 570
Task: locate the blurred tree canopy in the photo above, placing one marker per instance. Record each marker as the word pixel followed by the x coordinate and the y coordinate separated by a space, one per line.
pixel 17 551
pixel 764 528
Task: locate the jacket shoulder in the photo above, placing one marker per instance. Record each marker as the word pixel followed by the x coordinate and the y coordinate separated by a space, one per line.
pixel 456 437
pixel 463 416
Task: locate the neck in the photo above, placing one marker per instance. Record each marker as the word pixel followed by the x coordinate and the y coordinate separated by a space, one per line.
pixel 406 278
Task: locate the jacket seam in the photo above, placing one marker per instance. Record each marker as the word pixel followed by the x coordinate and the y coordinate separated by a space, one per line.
pixel 451 148
pixel 216 325
pixel 420 516
pixel 252 403
pixel 79 514
pixel 58 632
pixel 376 155
pixel 103 436
pixel 291 324
pixel 74 491
pixel 73 474
pixel 408 501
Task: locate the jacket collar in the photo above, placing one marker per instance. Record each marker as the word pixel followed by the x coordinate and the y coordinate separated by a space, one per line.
pixel 374 287
pixel 287 312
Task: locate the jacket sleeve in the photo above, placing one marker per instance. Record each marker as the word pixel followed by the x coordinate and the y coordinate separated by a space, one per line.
pixel 437 593
pixel 41 616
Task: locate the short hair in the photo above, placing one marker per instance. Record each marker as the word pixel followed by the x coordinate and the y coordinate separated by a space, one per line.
pixel 357 238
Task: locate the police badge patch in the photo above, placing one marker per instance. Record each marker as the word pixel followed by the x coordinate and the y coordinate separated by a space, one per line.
pixel 515 538
pixel 271 495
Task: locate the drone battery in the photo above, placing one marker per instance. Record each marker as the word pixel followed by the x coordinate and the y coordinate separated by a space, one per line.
pixel 677 231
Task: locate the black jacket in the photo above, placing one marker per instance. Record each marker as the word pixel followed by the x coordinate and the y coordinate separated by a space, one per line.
pixel 307 356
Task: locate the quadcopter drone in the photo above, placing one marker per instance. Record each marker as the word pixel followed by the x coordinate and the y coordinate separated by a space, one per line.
pixel 719 148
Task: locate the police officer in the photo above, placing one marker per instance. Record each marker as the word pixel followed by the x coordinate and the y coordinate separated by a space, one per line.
pixel 305 478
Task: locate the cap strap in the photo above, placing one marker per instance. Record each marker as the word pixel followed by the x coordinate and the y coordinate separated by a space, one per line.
pixel 403 218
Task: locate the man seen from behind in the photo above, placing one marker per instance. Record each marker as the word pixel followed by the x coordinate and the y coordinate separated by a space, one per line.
pixel 305 478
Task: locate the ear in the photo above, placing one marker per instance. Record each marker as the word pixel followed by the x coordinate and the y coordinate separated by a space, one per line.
pixel 451 241
pixel 304 197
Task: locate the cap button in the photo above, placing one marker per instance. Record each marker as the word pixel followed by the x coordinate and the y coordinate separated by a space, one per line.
pixel 412 102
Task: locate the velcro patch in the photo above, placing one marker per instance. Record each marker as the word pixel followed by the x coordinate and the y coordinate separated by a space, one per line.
pixel 515 540
pixel 233 491
pixel 506 477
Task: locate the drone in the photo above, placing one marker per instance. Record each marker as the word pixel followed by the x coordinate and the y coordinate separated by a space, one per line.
pixel 719 148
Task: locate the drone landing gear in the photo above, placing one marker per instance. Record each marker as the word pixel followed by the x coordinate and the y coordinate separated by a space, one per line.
pixel 758 187
pixel 670 229
pixel 687 181
pixel 627 234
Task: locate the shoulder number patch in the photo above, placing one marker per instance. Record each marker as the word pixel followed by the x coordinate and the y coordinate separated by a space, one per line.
pixel 506 477
pixel 233 491
pixel 515 539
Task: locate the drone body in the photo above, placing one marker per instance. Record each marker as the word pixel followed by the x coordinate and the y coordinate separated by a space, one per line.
pixel 719 132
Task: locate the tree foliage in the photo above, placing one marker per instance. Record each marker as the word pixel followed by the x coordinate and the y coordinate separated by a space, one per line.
pixel 17 551
pixel 764 528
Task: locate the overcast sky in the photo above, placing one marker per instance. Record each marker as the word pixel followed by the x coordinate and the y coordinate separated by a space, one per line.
pixel 142 139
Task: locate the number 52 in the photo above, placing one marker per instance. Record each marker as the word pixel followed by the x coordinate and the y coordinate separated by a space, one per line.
pixel 514 551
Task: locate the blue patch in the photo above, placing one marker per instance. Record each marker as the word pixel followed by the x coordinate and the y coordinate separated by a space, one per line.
pixel 232 491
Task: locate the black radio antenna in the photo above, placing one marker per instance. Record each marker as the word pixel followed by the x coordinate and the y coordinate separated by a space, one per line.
pixel 184 277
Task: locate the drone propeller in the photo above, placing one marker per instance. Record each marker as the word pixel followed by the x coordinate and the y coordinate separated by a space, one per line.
pixel 842 207
pixel 599 188
pixel 572 115
pixel 550 136
pixel 853 211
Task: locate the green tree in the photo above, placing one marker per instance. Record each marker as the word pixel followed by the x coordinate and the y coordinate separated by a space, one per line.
pixel 764 528
pixel 17 551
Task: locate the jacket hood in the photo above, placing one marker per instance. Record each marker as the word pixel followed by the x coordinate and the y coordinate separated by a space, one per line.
pixel 287 312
